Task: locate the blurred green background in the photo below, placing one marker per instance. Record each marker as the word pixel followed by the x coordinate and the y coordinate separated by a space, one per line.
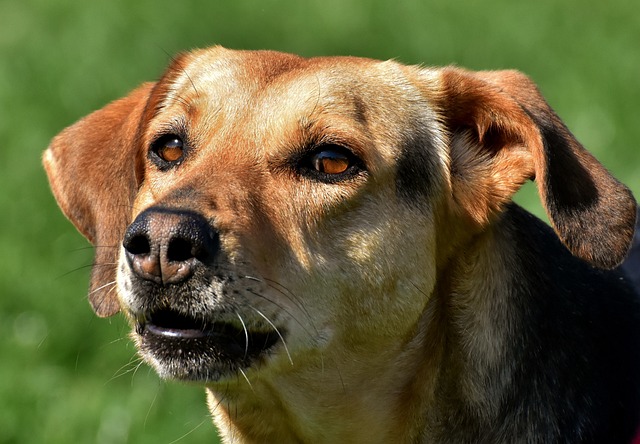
pixel 69 377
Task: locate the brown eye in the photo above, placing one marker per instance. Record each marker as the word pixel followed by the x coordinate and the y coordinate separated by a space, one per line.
pixel 330 162
pixel 167 151
pixel 171 149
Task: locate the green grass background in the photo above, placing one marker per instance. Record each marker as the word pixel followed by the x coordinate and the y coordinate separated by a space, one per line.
pixel 69 377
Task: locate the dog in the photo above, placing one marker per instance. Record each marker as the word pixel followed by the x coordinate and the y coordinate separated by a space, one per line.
pixel 329 246
pixel 631 265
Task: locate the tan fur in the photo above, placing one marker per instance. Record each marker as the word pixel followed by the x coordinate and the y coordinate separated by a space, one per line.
pixel 381 296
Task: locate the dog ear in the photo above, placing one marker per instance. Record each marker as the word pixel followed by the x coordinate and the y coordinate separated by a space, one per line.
pixel 92 170
pixel 502 133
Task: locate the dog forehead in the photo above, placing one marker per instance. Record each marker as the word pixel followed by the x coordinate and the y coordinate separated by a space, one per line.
pixel 266 67
pixel 222 90
pixel 240 80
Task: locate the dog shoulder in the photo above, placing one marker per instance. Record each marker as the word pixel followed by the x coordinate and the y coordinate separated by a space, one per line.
pixel 578 343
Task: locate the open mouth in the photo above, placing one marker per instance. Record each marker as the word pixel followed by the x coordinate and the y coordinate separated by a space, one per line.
pixel 185 347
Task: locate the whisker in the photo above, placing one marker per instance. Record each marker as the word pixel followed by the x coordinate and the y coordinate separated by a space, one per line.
pixel 246 379
pixel 288 294
pixel 109 292
pixel 74 270
pixel 291 296
pixel 103 264
pixel 181 100
pixel 280 289
pixel 153 402
pixel 135 371
pixel 284 310
pixel 307 314
pixel 335 361
pixel 120 339
pixel 129 206
pixel 89 247
pixel 103 286
pixel 190 80
pixel 174 60
pixel 235 410
pixel 82 267
pixel 286 349
pixel 42 341
pixel 190 431
pixel 131 366
pixel 222 398
pixel 246 336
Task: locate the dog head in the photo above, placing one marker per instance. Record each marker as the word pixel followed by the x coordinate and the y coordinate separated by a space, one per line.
pixel 254 209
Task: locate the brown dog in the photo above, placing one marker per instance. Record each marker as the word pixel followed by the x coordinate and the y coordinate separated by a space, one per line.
pixel 329 246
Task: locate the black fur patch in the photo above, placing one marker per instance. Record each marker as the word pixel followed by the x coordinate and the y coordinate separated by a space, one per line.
pixel 576 348
pixel 417 168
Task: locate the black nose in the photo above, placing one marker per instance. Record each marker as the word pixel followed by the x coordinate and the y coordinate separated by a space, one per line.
pixel 165 246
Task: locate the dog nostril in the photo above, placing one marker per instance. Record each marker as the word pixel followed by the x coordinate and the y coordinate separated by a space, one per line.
pixel 138 245
pixel 179 250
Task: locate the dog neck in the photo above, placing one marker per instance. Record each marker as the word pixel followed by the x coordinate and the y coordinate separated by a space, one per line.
pixel 321 401
pixel 406 391
pixel 370 403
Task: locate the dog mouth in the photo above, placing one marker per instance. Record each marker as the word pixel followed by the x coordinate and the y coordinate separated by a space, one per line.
pixel 184 347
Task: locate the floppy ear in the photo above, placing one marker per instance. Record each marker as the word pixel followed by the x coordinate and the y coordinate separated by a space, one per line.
pixel 502 133
pixel 92 170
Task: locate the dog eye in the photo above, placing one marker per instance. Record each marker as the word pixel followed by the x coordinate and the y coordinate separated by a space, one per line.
pixel 330 163
pixel 169 148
